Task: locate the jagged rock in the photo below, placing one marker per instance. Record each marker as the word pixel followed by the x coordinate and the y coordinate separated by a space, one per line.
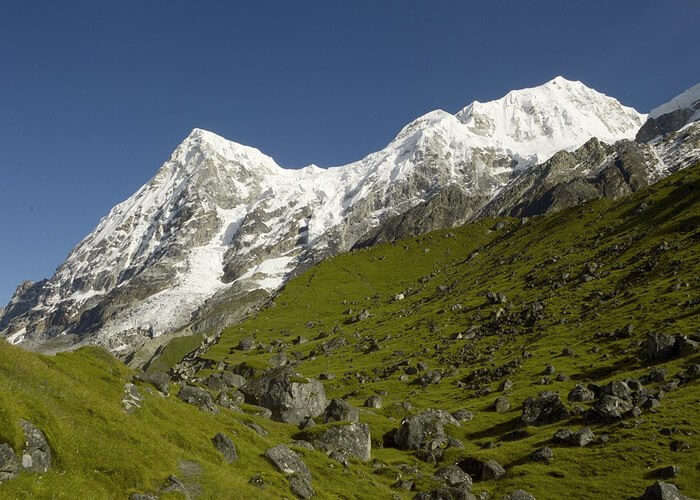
pixel 374 402
pixel 546 408
pixel 618 389
pixel 659 347
pixel 340 411
pixel 610 408
pixel 198 397
pixel 581 394
pixel 452 475
pixel 9 465
pixel 463 415
pixel 159 380
pixel 246 344
pixel 345 439
pixel 287 461
pixel 290 397
pixel 301 486
pixel 581 437
pixel 230 399
pixel 142 496
pixel 224 444
pixel 418 431
pixel 36 455
pixel 519 495
pixel 663 491
pixel 132 398
pixel 545 454
pixel 482 470
pixel 215 383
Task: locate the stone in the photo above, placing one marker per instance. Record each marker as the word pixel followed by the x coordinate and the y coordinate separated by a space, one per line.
pixel 446 493
pixel 501 405
pixel 418 431
pixel 452 475
pixel 246 344
pixel 659 347
pixel 142 496
pixel 667 472
pixel 233 379
pixel 544 454
pixel 290 397
pixel 301 486
pixel 463 415
pixel 618 389
pixel 257 429
pixel 36 455
pixel 224 444
pixel 287 461
pixel 131 400
pixel 581 394
pixel 9 464
pixel 546 408
pixel 663 491
pixel 482 470
pixel 609 408
pixel 581 438
pixel 519 495
pixel 374 402
pixel 340 411
pixel 214 383
pixel 159 380
pixel 347 439
pixel 198 397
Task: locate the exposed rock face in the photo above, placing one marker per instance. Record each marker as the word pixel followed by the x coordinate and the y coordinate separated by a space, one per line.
pixel 672 116
pixel 290 397
pixel 545 409
pixel 223 223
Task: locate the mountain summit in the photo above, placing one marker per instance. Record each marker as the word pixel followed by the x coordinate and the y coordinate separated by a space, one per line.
pixel 223 223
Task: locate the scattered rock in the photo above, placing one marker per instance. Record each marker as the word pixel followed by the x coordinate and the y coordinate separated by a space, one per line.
pixel 501 405
pixel 198 397
pixel 345 440
pixel 340 411
pixel 424 430
pixel 482 470
pixel 610 408
pixel 373 402
pixel 301 486
pixel 224 444
pixel 131 399
pixel 290 397
pixel 519 495
pixel 287 461
pixel 663 491
pixel 581 394
pixel 582 437
pixel 452 475
pixel 546 408
pixel 545 454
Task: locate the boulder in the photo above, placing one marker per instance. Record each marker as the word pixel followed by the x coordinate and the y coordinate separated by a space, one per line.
pixel 546 408
pixel 142 496
pixel 501 405
pixel 374 402
pixel 663 491
pixel 9 464
pixel 224 444
pixel 287 461
pixel 159 380
pixel 519 495
pixel 340 411
pixel 452 475
pixel 545 454
pixel 659 347
pixel 424 430
pixel 233 379
pixel 482 470
pixel 345 440
pixel 582 437
pixel 198 397
pixel 131 399
pixel 609 408
pixel 301 486
pixel 290 397
pixel 581 394
pixel 36 456
pixel 446 493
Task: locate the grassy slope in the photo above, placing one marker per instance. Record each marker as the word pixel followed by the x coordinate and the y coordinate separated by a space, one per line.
pixel 104 453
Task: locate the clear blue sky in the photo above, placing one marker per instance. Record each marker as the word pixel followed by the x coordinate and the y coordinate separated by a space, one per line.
pixel 95 95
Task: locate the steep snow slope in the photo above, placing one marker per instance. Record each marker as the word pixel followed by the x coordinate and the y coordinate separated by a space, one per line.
pixel 219 216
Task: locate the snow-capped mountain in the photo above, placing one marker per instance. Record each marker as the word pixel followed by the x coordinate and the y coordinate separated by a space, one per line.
pixel 221 222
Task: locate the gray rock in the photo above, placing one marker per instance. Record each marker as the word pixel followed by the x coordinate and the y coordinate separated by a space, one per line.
pixel 142 496
pixel 224 444
pixel 463 415
pixel 582 437
pixel 159 380
pixel 287 461
pixel 446 493
pixel 9 465
pixel 198 397
pixel 301 486
pixel 246 344
pixel 482 470
pixel 36 456
pixel 346 439
pixel 233 379
pixel 452 475
pixel 581 394
pixel 501 405
pixel 340 411
pixel 663 491
pixel 545 454
pixel 426 429
pixel 546 408
pixel 131 400
pixel 659 347
pixel 290 397
pixel 374 402
pixel 519 495
pixel 610 408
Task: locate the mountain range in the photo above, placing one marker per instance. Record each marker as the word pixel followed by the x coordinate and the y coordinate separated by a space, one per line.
pixel 221 226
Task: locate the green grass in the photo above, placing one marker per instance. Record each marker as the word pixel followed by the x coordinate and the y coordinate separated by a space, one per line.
pixel 103 453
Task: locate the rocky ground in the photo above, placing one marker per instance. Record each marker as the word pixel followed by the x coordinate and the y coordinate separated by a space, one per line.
pixel 550 357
